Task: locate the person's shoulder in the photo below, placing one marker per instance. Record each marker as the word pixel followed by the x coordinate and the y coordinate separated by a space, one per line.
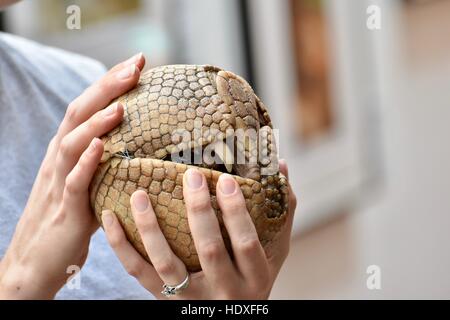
pixel 39 58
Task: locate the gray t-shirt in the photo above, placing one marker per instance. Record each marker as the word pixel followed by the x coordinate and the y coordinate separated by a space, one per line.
pixel 36 85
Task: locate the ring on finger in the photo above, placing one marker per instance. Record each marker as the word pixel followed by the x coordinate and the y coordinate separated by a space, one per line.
pixel 169 290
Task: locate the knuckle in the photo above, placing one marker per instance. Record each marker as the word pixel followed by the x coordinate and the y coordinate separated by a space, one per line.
pixel 71 112
pixel 165 266
pixel 65 147
pixel 71 186
pixel 211 251
pixel 47 171
pixel 249 245
pixel 134 268
pixel 199 204
pixel 92 123
pixel 104 85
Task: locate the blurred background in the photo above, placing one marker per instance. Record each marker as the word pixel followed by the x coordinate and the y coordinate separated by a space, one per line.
pixel 363 113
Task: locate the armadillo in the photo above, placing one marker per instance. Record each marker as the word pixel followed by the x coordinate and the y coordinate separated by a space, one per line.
pixel 178 114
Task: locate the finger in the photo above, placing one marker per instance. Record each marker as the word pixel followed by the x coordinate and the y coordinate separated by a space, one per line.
pixel 291 213
pixel 99 95
pixel 132 261
pixel 284 168
pixel 76 141
pixel 78 180
pixel 138 59
pixel 248 252
pixel 292 198
pixel 278 250
pixel 168 266
pixel 214 258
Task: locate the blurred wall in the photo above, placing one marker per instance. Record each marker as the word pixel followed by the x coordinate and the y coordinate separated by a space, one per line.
pixel 405 229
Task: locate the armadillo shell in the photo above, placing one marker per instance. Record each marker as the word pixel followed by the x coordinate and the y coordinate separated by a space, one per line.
pixel 138 154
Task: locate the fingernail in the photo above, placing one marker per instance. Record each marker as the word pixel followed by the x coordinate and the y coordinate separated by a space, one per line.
pixel 107 218
pixel 283 167
pixel 111 109
pixel 140 202
pixel 227 184
pixel 134 59
pixel 93 145
pixel 127 72
pixel 194 179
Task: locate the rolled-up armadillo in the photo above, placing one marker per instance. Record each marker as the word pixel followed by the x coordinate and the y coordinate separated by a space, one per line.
pixel 183 116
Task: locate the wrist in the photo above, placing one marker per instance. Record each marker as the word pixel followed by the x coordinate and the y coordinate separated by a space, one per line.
pixel 23 282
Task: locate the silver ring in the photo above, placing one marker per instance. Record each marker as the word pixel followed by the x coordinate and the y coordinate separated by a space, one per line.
pixel 169 290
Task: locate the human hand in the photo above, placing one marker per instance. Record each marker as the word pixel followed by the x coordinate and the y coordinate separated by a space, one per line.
pixel 249 276
pixel 54 230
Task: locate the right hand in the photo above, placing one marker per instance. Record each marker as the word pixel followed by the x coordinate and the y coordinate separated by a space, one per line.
pixel 55 228
pixel 249 274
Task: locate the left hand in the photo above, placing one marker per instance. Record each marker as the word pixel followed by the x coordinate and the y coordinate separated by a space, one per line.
pixel 55 228
pixel 249 276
